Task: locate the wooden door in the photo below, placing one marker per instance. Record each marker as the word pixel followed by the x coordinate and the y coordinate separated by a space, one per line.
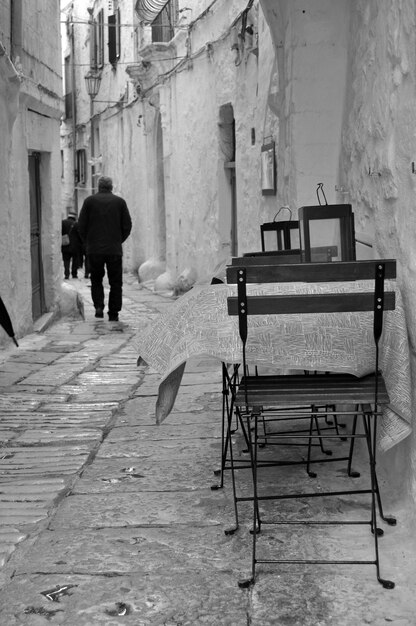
pixel 38 299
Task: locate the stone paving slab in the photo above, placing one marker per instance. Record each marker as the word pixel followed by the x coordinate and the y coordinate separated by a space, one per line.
pixel 203 508
pixel 52 375
pixel 65 419
pixel 35 356
pixel 6 436
pixel 105 392
pixel 55 435
pixel 146 407
pixel 44 460
pixel 11 373
pixel 132 474
pixel 14 401
pixel 162 449
pixel 165 430
pixel 102 377
pixel 138 410
pixel 142 411
pixel 126 550
pixel 70 407
pixel 203 364
pixel 212 380
pixel 200 598
pixel 38 488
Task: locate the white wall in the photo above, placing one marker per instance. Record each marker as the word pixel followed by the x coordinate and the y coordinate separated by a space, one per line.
pixel 30 109
pixel 362 55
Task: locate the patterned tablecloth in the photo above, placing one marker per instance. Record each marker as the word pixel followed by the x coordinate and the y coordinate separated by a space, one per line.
pixel 198 324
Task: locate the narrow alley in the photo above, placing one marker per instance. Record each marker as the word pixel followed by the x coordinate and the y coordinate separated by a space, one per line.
pixel 107 518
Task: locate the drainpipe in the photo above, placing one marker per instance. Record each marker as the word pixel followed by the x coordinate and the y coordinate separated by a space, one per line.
pixel 74 121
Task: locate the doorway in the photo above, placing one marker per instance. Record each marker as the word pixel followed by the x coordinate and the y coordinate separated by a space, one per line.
pixel 227 186
pixel 38 291
pixel 160 209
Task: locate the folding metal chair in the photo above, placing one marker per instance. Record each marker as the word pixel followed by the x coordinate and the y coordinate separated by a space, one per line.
pixel 230 376
pixel 367 394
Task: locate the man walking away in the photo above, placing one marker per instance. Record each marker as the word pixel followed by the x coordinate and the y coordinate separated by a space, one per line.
pixel 68 253
pixel 103 224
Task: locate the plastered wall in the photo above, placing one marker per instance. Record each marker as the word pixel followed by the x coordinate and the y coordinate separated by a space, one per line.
pixel 369 69
pixel 378 150
pixel 30 108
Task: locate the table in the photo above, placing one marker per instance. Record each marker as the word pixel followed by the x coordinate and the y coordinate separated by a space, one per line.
pixel 198 324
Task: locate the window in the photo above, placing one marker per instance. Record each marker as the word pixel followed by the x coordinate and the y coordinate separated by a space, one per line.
pixel 68 87
pixel 100 38
pixel 81 173
pixel 114 32
pixel 97 41
pixel 163 27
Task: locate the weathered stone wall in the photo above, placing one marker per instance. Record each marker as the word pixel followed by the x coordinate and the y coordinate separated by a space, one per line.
pixel 367 67
pixel 5 20
pixel 378 150
pixel 30 109
pixel 197 198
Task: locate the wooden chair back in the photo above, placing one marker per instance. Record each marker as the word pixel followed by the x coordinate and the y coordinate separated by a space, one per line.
pixel 375 300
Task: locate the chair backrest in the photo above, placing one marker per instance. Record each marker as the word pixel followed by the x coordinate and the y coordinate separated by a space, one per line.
pixel 283 231
pixel 375 300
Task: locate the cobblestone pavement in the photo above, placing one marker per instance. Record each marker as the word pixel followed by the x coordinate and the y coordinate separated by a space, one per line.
pixel 108 519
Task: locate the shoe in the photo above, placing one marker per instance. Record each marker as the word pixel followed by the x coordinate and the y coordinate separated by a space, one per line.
pixel 99 312
pixel 113 317
pixel 74 276
pixel 66 277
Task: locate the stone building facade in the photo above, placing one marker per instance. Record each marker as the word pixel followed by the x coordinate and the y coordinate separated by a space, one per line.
pixel 185 109
pixel 30 164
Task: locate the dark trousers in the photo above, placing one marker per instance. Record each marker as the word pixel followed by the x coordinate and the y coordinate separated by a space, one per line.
pixel 66 257
pixel 97 265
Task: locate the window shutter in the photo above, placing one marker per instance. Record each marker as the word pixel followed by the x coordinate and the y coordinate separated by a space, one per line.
pixel 112 39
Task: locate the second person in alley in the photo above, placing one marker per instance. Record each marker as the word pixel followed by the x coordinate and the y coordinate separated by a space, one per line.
pixel 104 224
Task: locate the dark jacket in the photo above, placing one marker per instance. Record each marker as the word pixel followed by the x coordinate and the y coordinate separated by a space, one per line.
pixel 104 223
pixel 75 240
pixel 66 228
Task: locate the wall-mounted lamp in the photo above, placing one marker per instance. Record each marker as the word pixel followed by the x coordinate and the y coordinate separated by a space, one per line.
pixel 92 83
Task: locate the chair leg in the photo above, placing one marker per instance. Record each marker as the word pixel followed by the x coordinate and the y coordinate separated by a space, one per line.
pixel 315 412
pixel 228 389
pixel 390 520
pixel 231 531
pixel 314 420
pixel 353 473
pixel 220 472
pixel 370 430
pixel 243 584
pixel 308 461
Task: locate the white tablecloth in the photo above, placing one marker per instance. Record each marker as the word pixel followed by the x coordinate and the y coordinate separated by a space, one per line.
pixel 198 324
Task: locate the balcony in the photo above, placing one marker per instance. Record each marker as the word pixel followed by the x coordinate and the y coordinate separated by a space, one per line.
pixel 161 15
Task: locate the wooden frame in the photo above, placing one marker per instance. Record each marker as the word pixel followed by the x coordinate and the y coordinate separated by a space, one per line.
pixel 282 230
pixel 326 252
pixel 268 169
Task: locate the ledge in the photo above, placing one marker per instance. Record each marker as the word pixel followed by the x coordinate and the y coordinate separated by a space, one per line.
pixel 156 59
